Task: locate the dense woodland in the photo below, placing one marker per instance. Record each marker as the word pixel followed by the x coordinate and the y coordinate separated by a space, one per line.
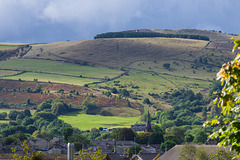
pixel 148 34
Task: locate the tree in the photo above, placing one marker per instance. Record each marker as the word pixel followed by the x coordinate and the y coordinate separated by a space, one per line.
pixel 58 108
pixel 45 115
pixel 44 105
pixel 125 93
pixel 166 65
pixel 134 149
pixel 90 107
pixel 115 133
pixel 3 115
pixel 114 90
pixel 126 134
pixel 188 138
pixel 228 99
pixel 67 132
pixel 31 128
pixel 143 137
pixel 200 137
pixel 27 113
pixel 78 140
pixel 13 114
pixel 167 144
pixel 28 101
pixel 221 155
pixel 188 152
pixel 156 138
pixel 179 134
pixel 10 139
pixel 146 101
pixel 204 112
pixel 202 154
pixel 96 155
pixel 27 121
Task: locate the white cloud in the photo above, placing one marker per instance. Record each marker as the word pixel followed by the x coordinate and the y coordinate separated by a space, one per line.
pixel 96 12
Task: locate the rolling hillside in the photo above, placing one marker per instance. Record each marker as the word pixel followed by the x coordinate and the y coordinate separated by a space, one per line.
pixel 134 64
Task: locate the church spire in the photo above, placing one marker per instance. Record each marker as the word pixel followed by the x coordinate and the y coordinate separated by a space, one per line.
pixel 148 123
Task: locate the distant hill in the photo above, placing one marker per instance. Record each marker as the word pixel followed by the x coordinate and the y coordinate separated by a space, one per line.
pixel 192 64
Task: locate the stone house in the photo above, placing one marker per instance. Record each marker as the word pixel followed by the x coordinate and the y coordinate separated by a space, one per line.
pixel 39 144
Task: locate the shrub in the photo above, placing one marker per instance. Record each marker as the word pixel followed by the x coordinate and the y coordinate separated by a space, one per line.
pixel 3 115
pixel 166 65
pixel 169 144
pixel 9 140
pixel 13 115
pixel 146 101
pixel 58 108
pixel 60 91
pixel 126 134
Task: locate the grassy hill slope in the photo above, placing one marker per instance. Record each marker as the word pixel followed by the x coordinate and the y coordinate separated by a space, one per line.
pixel 193 64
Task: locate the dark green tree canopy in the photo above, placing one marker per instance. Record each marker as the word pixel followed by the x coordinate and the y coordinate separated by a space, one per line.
pixel 126 134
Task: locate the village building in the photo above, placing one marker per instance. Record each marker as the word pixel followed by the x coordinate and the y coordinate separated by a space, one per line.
pixel 143 127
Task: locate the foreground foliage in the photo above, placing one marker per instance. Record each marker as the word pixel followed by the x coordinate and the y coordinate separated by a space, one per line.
pixel 87 153
pixel 228 100
pixel 28 154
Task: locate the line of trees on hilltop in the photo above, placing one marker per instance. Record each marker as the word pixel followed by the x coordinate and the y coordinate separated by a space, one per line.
pixel 148 34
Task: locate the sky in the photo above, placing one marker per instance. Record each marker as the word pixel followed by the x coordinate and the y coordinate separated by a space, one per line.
pixel 43 21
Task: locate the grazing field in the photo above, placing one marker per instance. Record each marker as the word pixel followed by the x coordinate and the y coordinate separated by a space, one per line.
pixel 86 122
pixel 142 84
pixel 54 67
pixel 30 76
pixel 8 73
pixel 177 68
pixel 8 47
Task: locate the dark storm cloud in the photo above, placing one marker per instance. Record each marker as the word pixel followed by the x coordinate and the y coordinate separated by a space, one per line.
pixel 59 20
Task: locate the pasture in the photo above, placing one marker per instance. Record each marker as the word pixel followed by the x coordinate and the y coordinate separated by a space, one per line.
pixel 86 122
pixel 177 68
pixel 30 76
pixel 8 73
pixel 8 47
pixel 53 67
pixel 143 83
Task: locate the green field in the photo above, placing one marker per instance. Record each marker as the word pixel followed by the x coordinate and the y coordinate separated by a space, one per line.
pixel 29 76
pixel 152 83
pixel 86 122
pixel 7 47
pixel 178 68
pixel 7 72
pixel 54 67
